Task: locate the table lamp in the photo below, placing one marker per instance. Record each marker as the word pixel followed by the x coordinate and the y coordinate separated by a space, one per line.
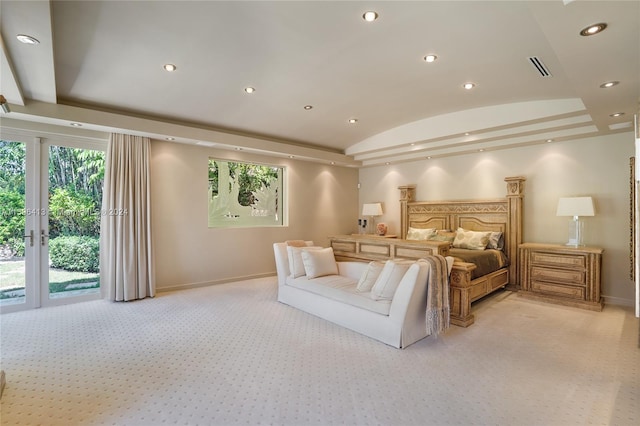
pixel 575 207
pixel 371 210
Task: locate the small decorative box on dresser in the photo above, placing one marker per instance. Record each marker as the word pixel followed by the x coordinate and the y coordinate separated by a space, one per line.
pixel 561 274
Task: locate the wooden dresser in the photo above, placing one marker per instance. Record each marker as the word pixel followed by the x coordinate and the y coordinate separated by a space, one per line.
pixel 561 274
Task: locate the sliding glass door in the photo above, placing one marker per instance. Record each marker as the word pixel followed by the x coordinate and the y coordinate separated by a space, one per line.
pixel 50 223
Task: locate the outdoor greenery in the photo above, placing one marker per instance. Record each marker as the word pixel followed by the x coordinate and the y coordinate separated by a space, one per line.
pixel 12 278
pixel 75 197
pixel 72 213
pixel 251 178
pixel 74 253
pixel 75 192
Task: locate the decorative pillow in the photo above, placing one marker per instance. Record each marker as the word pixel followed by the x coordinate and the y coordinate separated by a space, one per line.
pixel 296 267
pixel 420 233
pixel 369 276
pixel 472 240
pixel 496 241
pixel 318 263
pixel 442 235
pixel 389 279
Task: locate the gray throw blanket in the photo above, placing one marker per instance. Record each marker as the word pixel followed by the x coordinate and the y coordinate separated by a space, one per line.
pixel 437 294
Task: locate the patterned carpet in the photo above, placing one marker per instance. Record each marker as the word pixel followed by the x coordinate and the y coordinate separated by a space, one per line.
pixel 230 354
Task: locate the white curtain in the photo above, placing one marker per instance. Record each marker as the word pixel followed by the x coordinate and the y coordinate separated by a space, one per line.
pixel 126 256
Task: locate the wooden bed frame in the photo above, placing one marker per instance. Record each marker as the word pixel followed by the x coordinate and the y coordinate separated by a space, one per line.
pixel 504 215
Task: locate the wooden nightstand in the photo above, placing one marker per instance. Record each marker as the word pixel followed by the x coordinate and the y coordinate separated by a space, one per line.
pixel 561 274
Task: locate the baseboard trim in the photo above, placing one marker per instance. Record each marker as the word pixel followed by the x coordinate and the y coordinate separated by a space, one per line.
pixel 618 301
pixel 215 282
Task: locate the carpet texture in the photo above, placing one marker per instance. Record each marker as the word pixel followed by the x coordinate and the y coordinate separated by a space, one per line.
pixel 231 354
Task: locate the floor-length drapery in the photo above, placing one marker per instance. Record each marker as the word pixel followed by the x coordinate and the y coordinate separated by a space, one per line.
pixel 126 264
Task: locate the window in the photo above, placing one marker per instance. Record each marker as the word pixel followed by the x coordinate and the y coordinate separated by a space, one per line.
pixel 245 194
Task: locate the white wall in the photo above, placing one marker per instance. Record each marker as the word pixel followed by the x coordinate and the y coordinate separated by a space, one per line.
pixel 322 202
pixel 598 167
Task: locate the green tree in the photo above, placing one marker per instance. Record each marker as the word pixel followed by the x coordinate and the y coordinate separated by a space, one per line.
pixel 12 166
pixel 72 213
pixel 11 216
pixel 251 178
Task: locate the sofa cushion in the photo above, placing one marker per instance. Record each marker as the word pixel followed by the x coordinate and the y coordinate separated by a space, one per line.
pixel 341 289
pixel 318 263
pixel 296 266
pixel 369 277
pixel 387 283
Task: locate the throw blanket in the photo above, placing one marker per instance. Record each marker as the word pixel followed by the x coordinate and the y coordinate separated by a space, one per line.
pixel 437 294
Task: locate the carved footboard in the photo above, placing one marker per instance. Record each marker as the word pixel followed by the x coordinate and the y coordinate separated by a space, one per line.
pixel 463 290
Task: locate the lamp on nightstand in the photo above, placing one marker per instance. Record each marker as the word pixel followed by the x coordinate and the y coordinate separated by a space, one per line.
pixel 372 210
pixel 576 207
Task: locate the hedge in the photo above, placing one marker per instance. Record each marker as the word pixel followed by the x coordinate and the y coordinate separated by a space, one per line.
pixel 75 253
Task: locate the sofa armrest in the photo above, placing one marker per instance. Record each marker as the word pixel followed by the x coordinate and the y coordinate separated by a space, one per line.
pixel 282 260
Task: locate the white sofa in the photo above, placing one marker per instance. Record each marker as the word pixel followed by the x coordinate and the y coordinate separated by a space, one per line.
pixel 398 322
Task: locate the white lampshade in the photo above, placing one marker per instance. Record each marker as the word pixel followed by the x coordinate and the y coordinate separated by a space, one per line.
pixel 575 206
pixel 372 209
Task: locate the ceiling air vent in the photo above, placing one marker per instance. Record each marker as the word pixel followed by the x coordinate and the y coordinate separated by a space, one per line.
pixel 539 66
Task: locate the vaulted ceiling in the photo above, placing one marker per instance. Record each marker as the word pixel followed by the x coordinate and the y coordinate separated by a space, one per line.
pixel 100 64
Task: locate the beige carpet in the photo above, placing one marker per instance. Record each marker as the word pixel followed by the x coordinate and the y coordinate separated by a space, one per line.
pixel 230 354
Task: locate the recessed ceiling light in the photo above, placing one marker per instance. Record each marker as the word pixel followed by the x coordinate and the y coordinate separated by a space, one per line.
pixel 430 58
pixel 249 89
pixel 76 124
pixel 370 16
pixel 469 86
pixel 467 133
pixel 387 163
pixel 429 157
pixel 170 138
pixel 238 148
pixel 308 107
pixel 481 150
pixel 593 29
pixel 333 162
pixel 353 120
pixel 549 140
pixel 609 84
pixel 616 114
pixel 291 156
pixel 169 67
pixel 27 39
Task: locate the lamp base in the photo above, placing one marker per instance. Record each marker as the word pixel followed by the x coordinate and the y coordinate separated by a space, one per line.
pixel 576 230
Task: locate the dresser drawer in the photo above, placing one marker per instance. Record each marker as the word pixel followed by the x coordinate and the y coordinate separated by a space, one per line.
pixel 560 290
pixel 562 276
pixel 559 259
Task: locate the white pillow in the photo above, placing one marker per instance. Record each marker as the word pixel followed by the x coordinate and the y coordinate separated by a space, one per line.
pixel 387 283
pixel 369 276
pixel 420 233
pixel 318 263
pixel 296 267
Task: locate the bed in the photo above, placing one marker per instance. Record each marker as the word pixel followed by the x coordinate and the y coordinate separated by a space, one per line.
pixel 502 215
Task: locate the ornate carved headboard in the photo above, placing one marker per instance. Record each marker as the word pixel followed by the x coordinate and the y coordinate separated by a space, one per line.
pixel 504 215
